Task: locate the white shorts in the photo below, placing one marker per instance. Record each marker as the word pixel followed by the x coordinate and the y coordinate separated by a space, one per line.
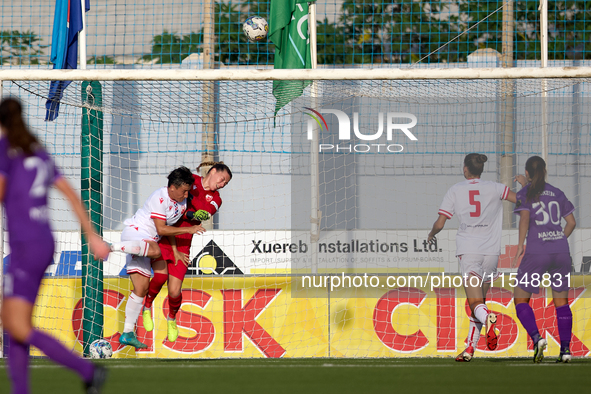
pixel 137 264
pixel 479 265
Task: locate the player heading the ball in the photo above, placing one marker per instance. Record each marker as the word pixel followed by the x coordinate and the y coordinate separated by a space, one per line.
pixel 541 208
pixel 26 174
pixel 478 205
pixel 203 202
pixel 140 239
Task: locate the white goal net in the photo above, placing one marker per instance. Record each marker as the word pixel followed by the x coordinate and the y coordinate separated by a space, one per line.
pixel 345 182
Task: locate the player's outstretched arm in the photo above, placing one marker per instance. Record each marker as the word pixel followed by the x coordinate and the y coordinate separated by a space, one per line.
pixel 512 197
pixel 571 223
pixel 2 187
pixel 521 179
pixel 178 255
pixel 164 231
pixel 200 215
pixel 99 248
pixel 437 227
pixel 523 228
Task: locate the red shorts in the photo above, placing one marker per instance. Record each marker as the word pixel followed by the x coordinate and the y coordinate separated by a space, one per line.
pixel 180 269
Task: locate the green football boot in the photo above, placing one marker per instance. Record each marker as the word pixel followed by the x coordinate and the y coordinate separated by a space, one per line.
pixel 173 331
pixel 129 339
pixel 147 318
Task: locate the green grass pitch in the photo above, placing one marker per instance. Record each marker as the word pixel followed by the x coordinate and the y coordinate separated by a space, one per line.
pixel 308 376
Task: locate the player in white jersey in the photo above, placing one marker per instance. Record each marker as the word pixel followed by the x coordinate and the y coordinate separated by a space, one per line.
pixel 478 206
pixel 140 240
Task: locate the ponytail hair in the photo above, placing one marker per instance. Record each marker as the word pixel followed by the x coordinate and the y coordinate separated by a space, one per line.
pixel 475 163
pixel 18 135
pixel 217 165
pixel 536 168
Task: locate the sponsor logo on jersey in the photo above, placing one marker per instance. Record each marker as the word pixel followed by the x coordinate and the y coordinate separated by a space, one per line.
pixel 208 197
pixel 161 200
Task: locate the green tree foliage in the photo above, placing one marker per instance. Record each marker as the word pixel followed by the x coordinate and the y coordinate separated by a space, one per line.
pixel 20 48
pixel 398 32
pixel 406 31
pixel 569 28
pixel 101 60
pixel 391 31
pixel 232 46
pixel 331 44
pixel 172 48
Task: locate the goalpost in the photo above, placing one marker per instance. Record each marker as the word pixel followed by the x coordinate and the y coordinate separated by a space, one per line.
pixel 390 144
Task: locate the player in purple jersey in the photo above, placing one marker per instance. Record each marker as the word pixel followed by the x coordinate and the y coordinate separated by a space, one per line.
pixel 541 208
pixel 26 173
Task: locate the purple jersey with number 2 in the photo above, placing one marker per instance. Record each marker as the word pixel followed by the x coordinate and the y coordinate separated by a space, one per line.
pixel 545 235
pixel 28 179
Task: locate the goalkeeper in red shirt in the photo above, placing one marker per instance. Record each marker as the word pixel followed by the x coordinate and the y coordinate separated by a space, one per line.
pixel 172 266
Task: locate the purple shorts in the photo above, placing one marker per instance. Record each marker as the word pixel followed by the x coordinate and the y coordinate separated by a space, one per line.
pixel 534 266
pixel 28 262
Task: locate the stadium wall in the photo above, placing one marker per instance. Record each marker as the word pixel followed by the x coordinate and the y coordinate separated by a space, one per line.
pixel 259 317
pixel 247 303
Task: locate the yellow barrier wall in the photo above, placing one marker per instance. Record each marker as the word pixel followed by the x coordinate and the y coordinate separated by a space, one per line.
pixel 260 317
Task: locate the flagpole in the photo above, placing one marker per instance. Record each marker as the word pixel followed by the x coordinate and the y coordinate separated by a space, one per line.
pixel 1 254
pixel 315 216
pixel 313 41
pixel 544 55
pixel 82 37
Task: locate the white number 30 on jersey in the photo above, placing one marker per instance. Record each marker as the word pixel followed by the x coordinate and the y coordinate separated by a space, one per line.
pixel 552 213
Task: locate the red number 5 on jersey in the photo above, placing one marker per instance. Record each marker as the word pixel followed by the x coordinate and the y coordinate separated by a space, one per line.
pixel 474 193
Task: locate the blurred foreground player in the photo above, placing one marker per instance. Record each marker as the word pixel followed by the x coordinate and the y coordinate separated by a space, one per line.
pixel 26 174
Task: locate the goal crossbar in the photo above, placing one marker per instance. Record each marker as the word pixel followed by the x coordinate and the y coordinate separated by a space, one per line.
pixel 306 74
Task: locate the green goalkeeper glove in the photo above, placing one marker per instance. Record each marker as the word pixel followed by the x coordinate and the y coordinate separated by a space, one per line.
pixel 200 215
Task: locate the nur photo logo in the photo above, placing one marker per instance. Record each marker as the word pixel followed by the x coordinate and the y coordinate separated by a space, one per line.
pixel 389 123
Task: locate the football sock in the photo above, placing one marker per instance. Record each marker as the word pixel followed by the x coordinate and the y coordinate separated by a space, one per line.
pixel 155 286
pixel 564 318
pixel 132 311
pixel 528 320
pixel 138 248
pixel 18 366
pixel 59 354
pixel 481 312
pixel 174 305
pixel 474 332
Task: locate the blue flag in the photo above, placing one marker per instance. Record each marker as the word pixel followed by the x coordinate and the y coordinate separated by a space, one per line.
pixel 64 48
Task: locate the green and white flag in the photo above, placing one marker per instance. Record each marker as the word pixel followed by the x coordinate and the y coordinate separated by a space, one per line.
pixel 288 25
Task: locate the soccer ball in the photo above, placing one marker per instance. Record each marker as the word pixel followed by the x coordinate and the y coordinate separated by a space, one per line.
pixel 255 28
pixel 100 349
